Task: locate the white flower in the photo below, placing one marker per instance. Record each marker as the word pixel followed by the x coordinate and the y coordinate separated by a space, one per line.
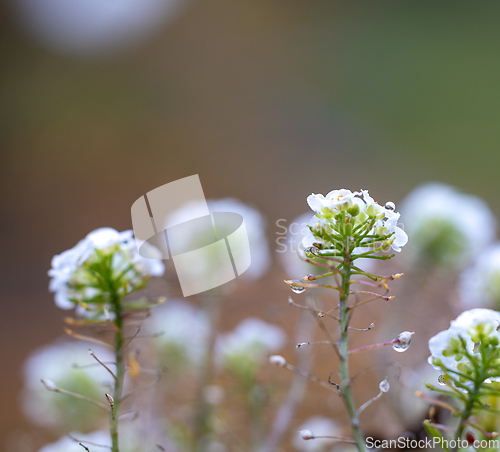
pixel 66 444
pixel 299 237
pixel 446 226
pixel 362 207
pixel 54 363
pixel 473 317
pixel 313 427
pixel 252 340
pixel 332 202
pixel 480 284
pixel 439 343
pixel 132 439
pixel 255 225
pixel 68 267
pixel 409 409
pixel 94 27
pixel 444 346
pixel 185 332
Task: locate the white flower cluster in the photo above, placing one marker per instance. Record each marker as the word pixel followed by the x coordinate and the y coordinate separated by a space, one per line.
pixel 54 364
pixel 71 279
pixel 446 226
pixel 67 444
pixel 185 331
pixel 359 209
pixel 480 284
pixel 477 327
pixel 132 439
pixel 255 225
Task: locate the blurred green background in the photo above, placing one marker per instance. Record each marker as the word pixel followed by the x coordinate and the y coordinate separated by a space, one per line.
pixel 267 101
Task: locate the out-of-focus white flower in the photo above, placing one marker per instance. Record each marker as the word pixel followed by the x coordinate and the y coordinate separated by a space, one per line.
pixel 360 208
pixel 480 284
pixel 316 426
pixel 71 278
pixel 255 226
pixel 185 331
pixel 246 348
pixel 66 444
pixel 131 440
pixel 446 226
pixel 55 363
pixel 92 27
pixel 409 409
pixel 446 345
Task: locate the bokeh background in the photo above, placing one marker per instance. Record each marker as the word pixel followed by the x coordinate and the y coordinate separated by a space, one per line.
pixel 267 101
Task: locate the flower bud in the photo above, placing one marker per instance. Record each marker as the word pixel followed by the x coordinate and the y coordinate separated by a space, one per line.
pixel 353 210
pixel 277 360
pixel 110 399
pixel 306 434
pixel 49 384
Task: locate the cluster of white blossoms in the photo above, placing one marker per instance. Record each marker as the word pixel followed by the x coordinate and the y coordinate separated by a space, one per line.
pixel 471 343
pixel 132 439
pixel 183 330
pixel 83 273
pixel 246 348
pixel 55 365
pixel 447 227
pixel 255 225
pixel 67 444
pixel 342 213
pixel 480 284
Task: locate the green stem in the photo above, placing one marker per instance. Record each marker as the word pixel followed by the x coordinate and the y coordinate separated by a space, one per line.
pixel 473 396
pixel 465 415
pixel 202 421
pixel 345 383
pixel 116 301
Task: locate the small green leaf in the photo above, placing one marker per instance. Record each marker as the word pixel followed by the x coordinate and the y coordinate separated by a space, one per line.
pixel 434 432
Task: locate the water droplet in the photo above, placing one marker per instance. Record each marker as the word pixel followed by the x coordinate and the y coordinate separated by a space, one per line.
pixel 384 385
pixel 312 250
pixel 297 289
pixel 400 348
pixel 442 380
pixel 402 342
pixel 390 206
